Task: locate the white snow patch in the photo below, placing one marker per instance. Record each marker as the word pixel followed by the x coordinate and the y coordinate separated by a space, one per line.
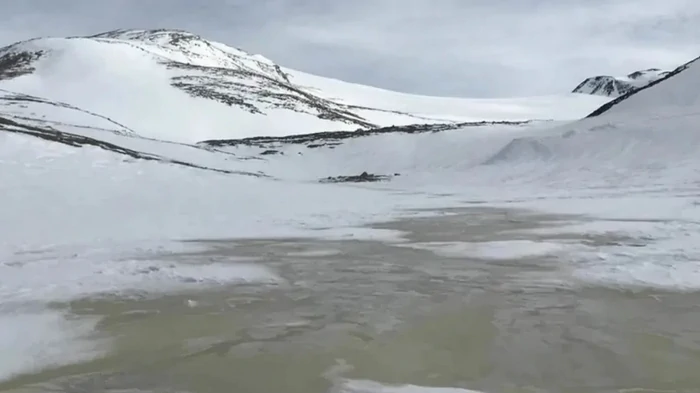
pixel 667 258
pixel 43 339
pixel 634 229
pixel 57 277
pixel 367 386
pixel 35 340
pixel 503 249
pixel 360 233
pixel 638 272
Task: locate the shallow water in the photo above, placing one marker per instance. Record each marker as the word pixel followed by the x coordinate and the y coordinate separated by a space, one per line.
pixel 394 314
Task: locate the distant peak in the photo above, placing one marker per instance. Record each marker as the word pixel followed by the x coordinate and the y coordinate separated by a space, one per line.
pixel 611 86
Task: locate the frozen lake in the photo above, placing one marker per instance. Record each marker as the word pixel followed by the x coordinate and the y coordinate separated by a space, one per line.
pixel 476 298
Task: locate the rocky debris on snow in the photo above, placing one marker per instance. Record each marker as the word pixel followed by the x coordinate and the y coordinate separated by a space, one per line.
pixel 15 64
pixel 18 106
pixel 75 140
pixel 364 177
pixel 332 139
pixel 234 88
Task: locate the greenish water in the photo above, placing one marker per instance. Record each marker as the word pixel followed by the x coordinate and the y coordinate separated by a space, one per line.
pixel 396 315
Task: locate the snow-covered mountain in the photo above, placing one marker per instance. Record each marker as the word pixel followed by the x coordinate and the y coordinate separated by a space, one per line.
pixel 615 86
pixel 174 85
pixel 101 180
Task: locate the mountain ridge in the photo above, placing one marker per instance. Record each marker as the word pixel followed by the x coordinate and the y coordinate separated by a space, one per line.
pixel 175 85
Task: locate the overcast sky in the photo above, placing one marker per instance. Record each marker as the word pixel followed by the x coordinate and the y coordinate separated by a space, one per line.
pixel 476 48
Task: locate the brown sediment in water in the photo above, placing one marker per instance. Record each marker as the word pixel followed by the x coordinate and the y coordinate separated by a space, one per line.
pixel 394 314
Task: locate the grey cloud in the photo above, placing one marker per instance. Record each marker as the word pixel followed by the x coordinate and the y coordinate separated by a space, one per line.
pixel 442 47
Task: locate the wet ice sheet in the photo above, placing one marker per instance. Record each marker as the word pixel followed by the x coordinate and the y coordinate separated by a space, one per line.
pixel 62 276
pixel 40 338
pixel 331 286
pixel 359 299
pixel 31 340
pixel 670 262
pixel 505 249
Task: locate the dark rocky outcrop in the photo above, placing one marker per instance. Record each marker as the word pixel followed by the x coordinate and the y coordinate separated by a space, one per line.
pixel 610 86
pixel 335 138
pixel 15 64
pixel 364 177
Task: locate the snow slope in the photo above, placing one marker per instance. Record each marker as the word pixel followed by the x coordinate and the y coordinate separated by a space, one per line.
pixel 38 111
pixel 636 161
pixel 177 86
pixel 612 86
pixel 602 156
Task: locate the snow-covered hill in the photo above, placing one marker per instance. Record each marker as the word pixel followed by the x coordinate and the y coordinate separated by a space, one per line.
pixel 174 85
pixel 612 86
